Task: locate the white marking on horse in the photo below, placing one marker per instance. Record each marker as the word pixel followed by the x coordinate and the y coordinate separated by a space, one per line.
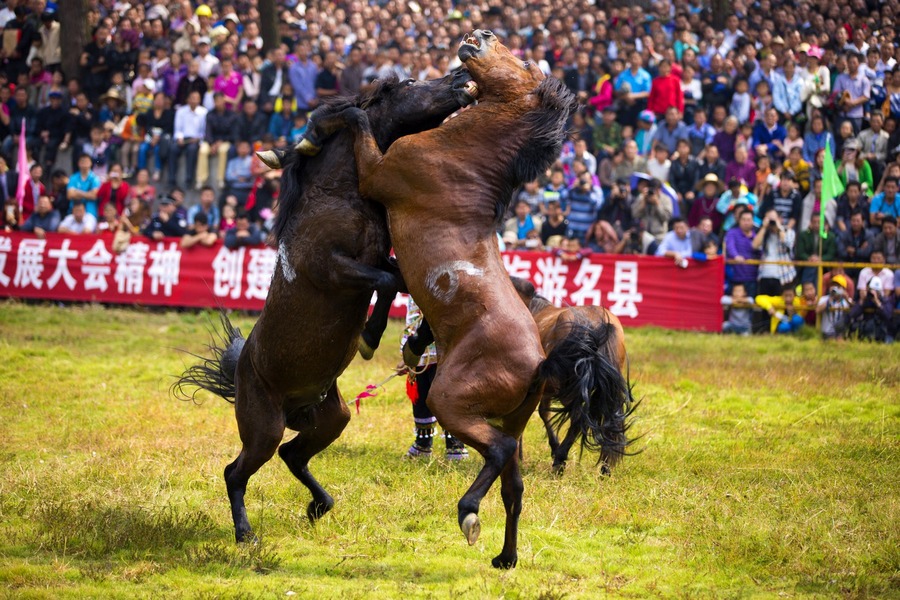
pixel 286 269
pixel 445 293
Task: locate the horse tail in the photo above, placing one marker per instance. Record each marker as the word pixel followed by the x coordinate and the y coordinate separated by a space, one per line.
pixel 214 374
pixel 592 392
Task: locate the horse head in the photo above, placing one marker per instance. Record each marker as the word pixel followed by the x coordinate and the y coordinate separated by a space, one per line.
pixel 497 73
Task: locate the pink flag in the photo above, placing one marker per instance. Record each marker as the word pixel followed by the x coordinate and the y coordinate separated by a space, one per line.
pixel 23 169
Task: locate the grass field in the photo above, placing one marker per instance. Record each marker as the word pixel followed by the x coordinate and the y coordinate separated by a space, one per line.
pixel 770 467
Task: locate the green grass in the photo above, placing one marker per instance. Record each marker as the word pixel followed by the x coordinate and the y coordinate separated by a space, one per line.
pixel 770 467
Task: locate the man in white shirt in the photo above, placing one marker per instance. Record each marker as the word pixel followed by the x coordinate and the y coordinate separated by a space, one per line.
pixel 209 64
pixel 79 221
pixel 190 130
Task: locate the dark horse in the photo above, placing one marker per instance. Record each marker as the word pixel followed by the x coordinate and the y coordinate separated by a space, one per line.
pixel 332 252
pixel 605 401
pixel 444 191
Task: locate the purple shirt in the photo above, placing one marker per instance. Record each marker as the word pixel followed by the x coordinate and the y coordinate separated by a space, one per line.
pixel 857 86
pixel 738 244
pixel 745 171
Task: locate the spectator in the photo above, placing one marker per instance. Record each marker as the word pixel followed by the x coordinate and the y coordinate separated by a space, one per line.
pixel 616 209
pixel 705 204
pixel 740 311
pixel 53 128
pixel 84 185
pixel 79 222
pixel 244 233
pixel 554 225
pixel 114 190
pixel 158 123
pixel 853 90
pixel 221 133
pixel 799 168
pixel 581 153
pixel 532 194
pixel 786 311
pixel 811 248
pixel 775 242
pixel 516 228
pixel 199 234
pixel 45 219
pixel 855 243
pixel 812 204
pixel 646 130
pixel 851 200
pixel 109 221
pixel 633 88
pixel 886 242
pixel 654 210
pixel 190 130
pixel 207 63
pixel 853 167
pixel 739 247
pixel 659 165
pixel 834 309
pixel 628 162
pixel 701 134
pixel 607 133
pixel 238 175
pixel 252 125
pixel 580 79
pixel 741 102
pixel 302 75
pixel 874 145
pixel 683 175
pixel 737 195
pixel 726 139
pixel 741 167
pixel 230 84
pixel 34 189
pixel 585 201
pixel 666 93
pixel 770 134
pixel 885 204
pixel 872 317
pixel 602 237
pixel 273 76
pixel 191 83
pixel 676 244
pixel 165 223
pixel 784 200
pixel 671 130
pixel 787 91
pixel 816 139
pixel 817 87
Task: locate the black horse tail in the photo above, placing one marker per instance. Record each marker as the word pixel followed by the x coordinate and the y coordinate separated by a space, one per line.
pixel 214 374
pixel 592 392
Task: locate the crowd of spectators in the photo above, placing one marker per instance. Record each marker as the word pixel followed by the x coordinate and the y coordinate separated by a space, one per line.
pixel 689 141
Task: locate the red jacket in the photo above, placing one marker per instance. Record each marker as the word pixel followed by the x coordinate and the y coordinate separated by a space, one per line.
pixel 665 92
pixel 104 195
pixel 29 201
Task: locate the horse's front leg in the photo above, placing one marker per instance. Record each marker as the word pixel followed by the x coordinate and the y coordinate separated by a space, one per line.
pixel 368 156
pixel 348 273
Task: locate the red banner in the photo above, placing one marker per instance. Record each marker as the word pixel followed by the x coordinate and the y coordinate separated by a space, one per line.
pixel 640 290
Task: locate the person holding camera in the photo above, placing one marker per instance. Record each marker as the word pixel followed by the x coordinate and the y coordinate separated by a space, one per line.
pixel 775 241
pixel 637 240
pixel 585 201
pixel 871 318
pixel 616 210
pixel 654 209
pixel 834 308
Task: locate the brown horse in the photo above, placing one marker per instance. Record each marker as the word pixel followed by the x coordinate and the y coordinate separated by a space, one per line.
pixel 332 252
pixel 598 417
pixel 444 191
pixel 604 375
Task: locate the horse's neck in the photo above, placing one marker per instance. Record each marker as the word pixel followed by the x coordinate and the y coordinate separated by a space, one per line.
pixel 489 119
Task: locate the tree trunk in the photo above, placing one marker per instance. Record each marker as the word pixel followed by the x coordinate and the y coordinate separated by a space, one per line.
pixel 268 24
pixel 73 34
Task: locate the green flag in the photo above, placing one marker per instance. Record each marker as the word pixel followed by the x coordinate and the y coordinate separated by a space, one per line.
pixel 831 187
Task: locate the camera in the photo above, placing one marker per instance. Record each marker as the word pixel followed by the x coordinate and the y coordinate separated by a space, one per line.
pixel 836 292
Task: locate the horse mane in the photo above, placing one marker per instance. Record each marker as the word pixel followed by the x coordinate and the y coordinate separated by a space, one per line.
pixel 544 128
pixel 538 303
pixel 296 165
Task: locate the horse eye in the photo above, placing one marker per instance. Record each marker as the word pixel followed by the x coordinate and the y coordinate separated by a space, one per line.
pixel 410 81
pixel 527 65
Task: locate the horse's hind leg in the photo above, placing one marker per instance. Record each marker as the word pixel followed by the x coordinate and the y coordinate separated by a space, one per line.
pixel 561 454
pixel 511 488
pixel 317 429
pixel 544 413
pixel 261 427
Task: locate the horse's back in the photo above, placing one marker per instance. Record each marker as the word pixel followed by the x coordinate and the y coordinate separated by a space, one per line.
pixel 554 323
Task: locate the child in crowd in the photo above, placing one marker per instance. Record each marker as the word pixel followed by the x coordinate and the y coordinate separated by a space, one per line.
pixel 741 101
pixel 110 219
pixel 659 165
pixel 785 310
pixel 740 311
pixel 799 167
pixel 762 100
pixel 229 216
pixel 809 297
pixel 794 139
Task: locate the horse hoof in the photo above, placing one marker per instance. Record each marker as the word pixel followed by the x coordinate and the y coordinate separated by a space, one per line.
pixel 270 159
pixel 501 562
pixel 558 468
pixel 307 148
pixel 246 537
pixel 316 510
pixel 410 358
pixel 365 350
pixel 604 470
pixel 471 528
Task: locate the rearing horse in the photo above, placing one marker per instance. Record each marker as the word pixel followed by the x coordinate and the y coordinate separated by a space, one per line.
pixel 444 191
pixel 332 252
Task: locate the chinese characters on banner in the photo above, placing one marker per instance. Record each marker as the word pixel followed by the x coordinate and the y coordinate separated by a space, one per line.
pixel 639 290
